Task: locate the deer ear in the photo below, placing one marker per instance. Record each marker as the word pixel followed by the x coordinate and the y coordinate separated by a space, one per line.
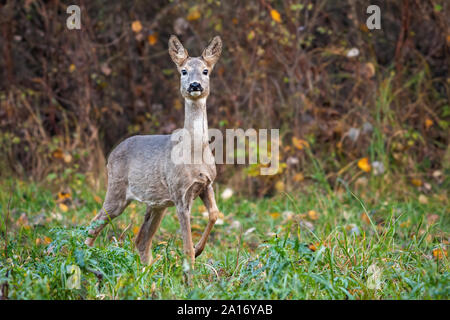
pixel 176 51
pixel 212 52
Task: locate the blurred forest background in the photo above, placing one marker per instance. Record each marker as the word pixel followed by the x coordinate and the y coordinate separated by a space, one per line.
pixel 350 102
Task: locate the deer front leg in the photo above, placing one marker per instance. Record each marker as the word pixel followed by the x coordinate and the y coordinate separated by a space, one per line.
pixel 184 213
pixel 208 199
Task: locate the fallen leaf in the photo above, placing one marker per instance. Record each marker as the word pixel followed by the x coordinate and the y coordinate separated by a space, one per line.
pixel 153 38
pixel 67 158
pixel 279 186
pixel 63 207
pixel 300 143
pixel 135 230
pixel 428 123
pixel 369 70
pixel 364 164
pixel 298 177
pixel 416 182
pixel 274 215
pixel 194 14
pixel 63 196
pixel 313 215
pixel 439 253
pixel 405 224
pixel 72 68
pixel 136 26
pixel 313 246
pixel 97 199
pixel 365 218
pixel 58 154
pixel 423 199
pixel 275 15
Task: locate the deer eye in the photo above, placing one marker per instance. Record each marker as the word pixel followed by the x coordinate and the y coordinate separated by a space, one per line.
pixel 183 72
pixel 205 72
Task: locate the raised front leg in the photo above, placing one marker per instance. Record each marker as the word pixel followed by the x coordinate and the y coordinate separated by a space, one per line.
pixel 104 216
pixel 148 229
pixel 208 199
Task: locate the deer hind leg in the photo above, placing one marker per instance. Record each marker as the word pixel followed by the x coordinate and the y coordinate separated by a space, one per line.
pixel 114 204
pixel 208 199
pixel 152 220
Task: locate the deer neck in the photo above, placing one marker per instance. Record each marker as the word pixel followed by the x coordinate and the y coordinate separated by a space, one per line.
pixel 195 120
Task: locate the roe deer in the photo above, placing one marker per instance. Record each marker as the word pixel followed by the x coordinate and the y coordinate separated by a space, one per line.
pixel 140 167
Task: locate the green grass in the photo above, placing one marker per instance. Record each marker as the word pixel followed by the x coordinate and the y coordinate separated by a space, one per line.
pixel 389 256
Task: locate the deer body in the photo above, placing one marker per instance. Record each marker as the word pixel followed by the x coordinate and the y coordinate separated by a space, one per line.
pixel 141 168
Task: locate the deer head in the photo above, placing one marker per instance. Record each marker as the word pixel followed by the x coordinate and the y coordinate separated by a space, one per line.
pixel 194 72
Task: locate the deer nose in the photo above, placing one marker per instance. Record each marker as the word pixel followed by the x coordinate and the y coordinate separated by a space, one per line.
pixel 195 86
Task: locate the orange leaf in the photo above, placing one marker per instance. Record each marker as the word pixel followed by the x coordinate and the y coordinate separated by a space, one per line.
pixel 364 164
pixel 97 199
pixel 275 15
pixel 416 182
pixel 58 154
pixel 365 218
pixel 274 215
pixel 63 195
pixel 153 38
pixel 428 123
pixel 439 253
pixel 313 215
pixel 47 240
pixel 63 207
pixel 194 14
pixel 300 143
pixel 313 246
pixel 299 177
pixel 279 186
pixel 135 230
pixel 136 26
